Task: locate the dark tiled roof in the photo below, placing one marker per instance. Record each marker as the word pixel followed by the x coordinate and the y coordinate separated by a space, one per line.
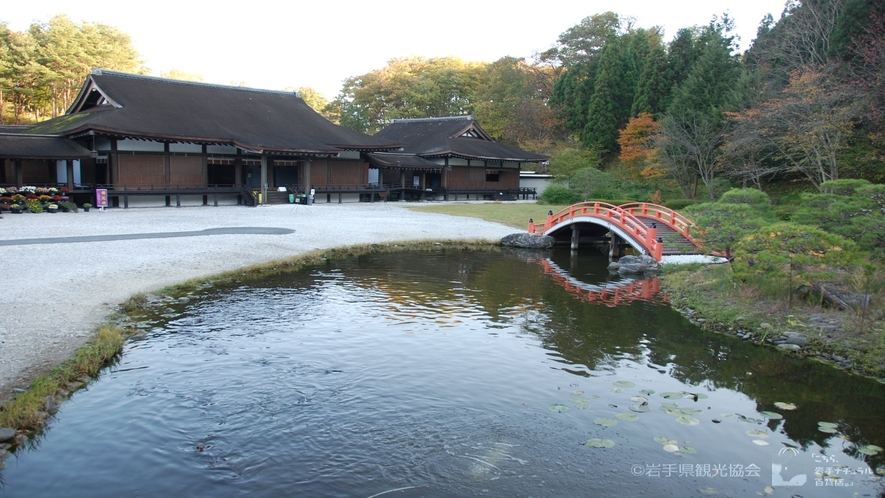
pixel 440 137
pixel 137 106
pixel 18 145
pixel 395 160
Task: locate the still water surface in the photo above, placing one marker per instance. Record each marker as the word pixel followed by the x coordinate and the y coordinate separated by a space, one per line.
pixel 452 374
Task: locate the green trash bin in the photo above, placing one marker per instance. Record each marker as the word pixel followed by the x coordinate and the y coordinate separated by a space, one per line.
pixel 291 198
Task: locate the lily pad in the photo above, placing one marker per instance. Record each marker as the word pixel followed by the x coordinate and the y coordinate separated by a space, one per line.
pixel 598 442
pixel 690 411
pixel 785 406
pixel 870 449
pixel 606 422
pixel 709 491
pixel 772 415
pixel 639 399
pixel 578 393
pixel 828 424
pixel 616 390
pixel 756 433
pixel 688 450
pixel 760 442
pixel 673 412
pixel 558 408
pixel 670 405
pixel 664 440
pixel 671 448
pixel 672 395
pixel 627 417
pixel 639 408
pixel 647 392
pixel 624 383
pixel 685 419
pixel 581 403
pixel 828 430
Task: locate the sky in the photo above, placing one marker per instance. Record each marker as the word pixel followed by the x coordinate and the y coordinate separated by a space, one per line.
pixel 278 44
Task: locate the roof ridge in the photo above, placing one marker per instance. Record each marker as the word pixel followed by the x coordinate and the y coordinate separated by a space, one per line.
pixel 468 117
pixel 109 72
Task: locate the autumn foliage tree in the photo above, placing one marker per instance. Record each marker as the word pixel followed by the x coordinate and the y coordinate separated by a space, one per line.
pixel 638 150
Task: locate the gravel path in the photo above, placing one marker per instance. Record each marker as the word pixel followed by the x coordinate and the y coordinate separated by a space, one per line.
pixel 55 294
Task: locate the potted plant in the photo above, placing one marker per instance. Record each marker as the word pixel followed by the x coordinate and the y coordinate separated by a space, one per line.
pixel 86 206
pixel 52 207
pixel 16 208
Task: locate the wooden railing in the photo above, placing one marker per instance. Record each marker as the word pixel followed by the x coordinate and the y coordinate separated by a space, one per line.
pixel 630 225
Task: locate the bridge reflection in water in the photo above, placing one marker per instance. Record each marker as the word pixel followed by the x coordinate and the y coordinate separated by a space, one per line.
pixel 611 294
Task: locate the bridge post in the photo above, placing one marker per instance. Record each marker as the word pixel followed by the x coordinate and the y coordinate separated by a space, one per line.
pixel 614 251
pixel 576 237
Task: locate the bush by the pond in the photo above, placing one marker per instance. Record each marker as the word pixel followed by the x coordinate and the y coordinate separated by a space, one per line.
pixel 779 258
pixel 559 194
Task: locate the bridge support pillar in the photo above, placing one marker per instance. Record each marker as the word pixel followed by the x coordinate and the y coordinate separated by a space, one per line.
pixel 615 249
pixel 576 237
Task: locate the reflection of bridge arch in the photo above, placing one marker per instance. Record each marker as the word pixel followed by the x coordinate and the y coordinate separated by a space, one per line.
pixel 610 294
pixel 642 225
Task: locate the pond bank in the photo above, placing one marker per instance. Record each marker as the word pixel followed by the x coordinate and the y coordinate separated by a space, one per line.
pixel 707 297
pixel 64 291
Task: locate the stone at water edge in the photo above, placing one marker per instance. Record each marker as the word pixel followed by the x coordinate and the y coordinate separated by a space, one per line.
pixel 6 433
pixel 798 340
pixel 528 240
pixel 789 347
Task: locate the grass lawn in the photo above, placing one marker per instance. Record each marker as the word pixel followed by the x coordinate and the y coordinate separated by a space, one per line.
pixel 515 215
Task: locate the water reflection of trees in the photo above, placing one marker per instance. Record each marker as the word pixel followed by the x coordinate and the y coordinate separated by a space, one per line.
pixel 586 336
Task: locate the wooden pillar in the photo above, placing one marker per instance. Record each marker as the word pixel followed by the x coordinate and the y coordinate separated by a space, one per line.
pixel 113 164
pixel 614 251
pixel 263 178
pixel 205 167
pixel 167 171
pixel 69 167
pixel 17 172
pixel 238 169
pixel 576 236
pixel 307 177
pixel 271 176
pixel 167 165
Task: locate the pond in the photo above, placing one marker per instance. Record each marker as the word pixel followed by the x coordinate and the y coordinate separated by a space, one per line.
pixel 453 373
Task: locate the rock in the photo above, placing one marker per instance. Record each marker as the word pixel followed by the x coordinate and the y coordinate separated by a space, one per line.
pixel 51 404
pixel 4 455
pixel 6 433
pixel 528 240
pixel 746 336
pixel 637 264
pixel 764 325
pixel 20 439
pixel 788 347
pixel 797 339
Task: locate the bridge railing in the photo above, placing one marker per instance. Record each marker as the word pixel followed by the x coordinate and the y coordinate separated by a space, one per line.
pixel 663 214
pixel 633 226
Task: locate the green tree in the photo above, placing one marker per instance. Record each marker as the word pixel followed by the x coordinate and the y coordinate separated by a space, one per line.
pixel 723 224
pixel 414 87
pixel 781 257
pixel 854 209
pixel 567 162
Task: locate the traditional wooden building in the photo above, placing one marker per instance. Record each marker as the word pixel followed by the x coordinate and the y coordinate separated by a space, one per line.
pixel 156 141
pixel 448 157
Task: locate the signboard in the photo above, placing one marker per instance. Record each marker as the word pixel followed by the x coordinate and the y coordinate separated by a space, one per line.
pixel 101 197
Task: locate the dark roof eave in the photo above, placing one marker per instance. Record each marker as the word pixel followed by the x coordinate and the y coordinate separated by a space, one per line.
pixel 484 158
pixel 257 149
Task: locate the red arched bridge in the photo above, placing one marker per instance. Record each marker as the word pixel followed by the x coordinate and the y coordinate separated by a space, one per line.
pixel 649 228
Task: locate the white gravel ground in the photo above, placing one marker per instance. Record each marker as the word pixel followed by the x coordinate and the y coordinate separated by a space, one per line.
pixel 54 295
